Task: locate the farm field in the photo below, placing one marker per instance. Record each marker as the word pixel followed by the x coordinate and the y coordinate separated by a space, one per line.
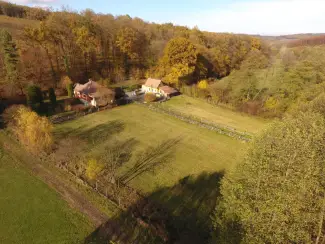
pixel 186 149
pixel 31 212
pixel 200 109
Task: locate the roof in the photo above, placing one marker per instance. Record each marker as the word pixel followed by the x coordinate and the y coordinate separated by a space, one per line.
pixel 153 83
pixel 168 90
pixel 88 88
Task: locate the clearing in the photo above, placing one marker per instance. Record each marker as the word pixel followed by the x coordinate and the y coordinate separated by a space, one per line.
pixel 31 212
pixel 187 149
pixel 215 114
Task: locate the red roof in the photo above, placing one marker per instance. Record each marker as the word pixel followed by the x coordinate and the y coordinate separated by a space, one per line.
pixel 168 90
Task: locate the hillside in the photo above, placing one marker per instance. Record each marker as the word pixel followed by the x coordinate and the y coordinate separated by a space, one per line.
pixel 16 26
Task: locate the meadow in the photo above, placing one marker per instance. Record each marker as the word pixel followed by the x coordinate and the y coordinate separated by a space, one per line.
pixel 184 149
pixel 216 114
pixel 31 212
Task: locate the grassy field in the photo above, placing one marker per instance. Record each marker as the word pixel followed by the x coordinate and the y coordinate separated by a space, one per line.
pixel 219 115
pixel 187 149
pixel 31 212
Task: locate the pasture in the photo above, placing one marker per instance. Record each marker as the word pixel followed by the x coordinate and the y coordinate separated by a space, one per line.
pixel 31 212
pixel 215 114
pixel 182 149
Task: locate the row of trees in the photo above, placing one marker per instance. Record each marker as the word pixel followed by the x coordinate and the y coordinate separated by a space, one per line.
pixel 18 11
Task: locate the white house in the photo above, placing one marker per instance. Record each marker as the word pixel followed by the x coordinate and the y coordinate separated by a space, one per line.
pixel 158 87
pixel 152 85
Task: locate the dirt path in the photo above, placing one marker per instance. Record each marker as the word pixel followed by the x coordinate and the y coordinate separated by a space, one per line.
pixel 72 196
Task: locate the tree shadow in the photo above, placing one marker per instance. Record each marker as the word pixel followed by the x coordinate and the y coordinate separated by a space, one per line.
pixel 151 159
pixel 177 214
pixel 94 134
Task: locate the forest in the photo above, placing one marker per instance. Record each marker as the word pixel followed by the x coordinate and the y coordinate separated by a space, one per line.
pixel 247 73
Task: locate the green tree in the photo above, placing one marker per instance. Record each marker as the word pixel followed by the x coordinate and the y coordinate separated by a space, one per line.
pixel 34 96
pixel 11 58
pixel 52 97
pixel 69 87
pixel 277 193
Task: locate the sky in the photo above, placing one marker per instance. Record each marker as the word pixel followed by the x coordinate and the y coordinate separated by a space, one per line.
pixel 264 17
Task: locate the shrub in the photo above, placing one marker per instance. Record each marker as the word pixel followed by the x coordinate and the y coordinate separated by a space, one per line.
pixel 150 97
pixel 203 84
pixel 52 97
pixel 93 169
pixel 32 130
pixel 70 90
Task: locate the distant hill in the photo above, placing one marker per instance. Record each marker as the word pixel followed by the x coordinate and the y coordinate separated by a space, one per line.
pixel 285 39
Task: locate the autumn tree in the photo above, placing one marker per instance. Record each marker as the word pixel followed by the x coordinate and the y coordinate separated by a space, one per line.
pixel 32 130
pixel 131 42
pixel 42 36
pixel 86 40
pixel 179 59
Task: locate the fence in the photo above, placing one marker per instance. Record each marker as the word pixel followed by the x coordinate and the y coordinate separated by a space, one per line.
pixel 221 129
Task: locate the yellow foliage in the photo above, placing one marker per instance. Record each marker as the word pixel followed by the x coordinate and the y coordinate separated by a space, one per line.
pixel 203 84
pixel 93 169
pixel 32 130
pixel 271 103
pixel 178 71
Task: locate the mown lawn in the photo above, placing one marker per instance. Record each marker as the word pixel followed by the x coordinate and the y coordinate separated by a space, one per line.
pixel 33 213
pixel 183 149
pixel 219 115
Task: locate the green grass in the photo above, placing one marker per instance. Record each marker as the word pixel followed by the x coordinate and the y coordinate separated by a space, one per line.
pixel 189 149
pixel 33 213
pixel 215 114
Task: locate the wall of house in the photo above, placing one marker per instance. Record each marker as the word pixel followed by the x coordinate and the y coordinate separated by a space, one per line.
pixel 149 89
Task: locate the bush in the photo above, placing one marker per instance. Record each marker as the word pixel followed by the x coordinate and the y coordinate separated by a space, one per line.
pixel 150 97
pixel 52 97
pixel 70 90
pixel 32 130
pixel 203 84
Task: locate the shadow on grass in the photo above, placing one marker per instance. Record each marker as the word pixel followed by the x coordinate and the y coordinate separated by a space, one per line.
pixel 178 214
pixel 92 134
pixel 152 158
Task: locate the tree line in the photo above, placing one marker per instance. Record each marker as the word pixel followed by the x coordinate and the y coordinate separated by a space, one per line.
pixel 111 48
